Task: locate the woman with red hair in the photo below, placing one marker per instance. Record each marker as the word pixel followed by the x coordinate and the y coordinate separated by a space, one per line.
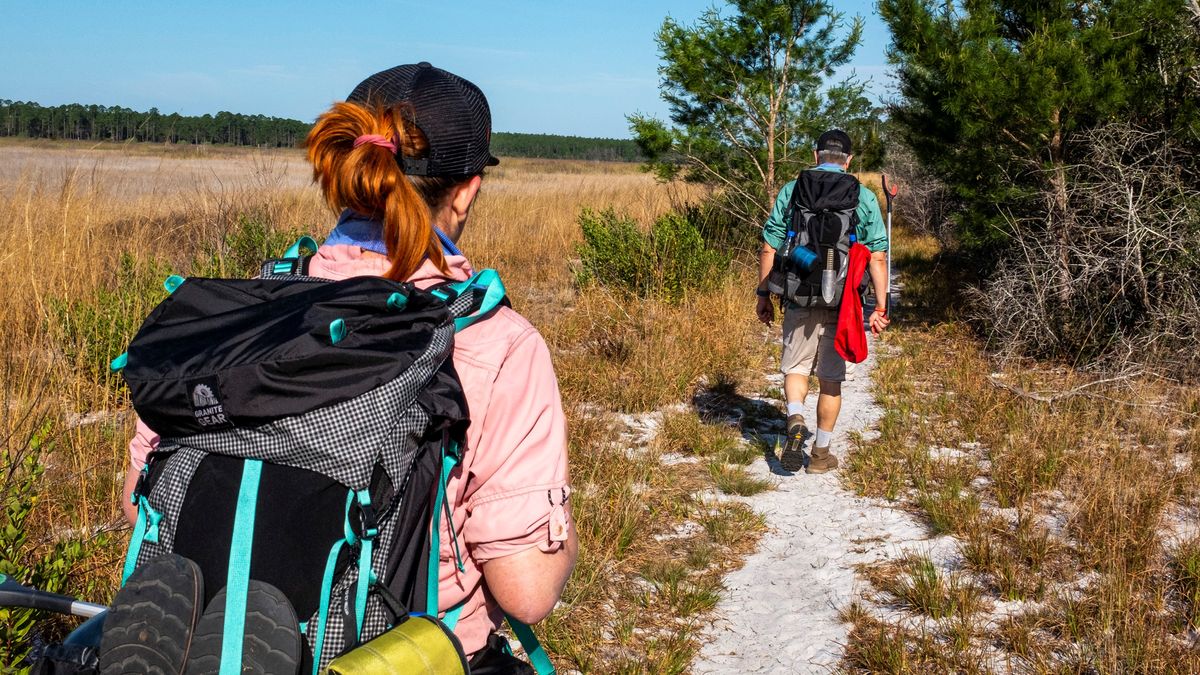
pixel 402 161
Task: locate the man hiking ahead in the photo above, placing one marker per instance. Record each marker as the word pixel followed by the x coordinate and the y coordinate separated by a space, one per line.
pixel 803 259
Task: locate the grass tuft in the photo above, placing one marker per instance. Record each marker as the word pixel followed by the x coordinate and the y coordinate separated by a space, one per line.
pixel 1062 489
pixel 734 480
pixel 918 584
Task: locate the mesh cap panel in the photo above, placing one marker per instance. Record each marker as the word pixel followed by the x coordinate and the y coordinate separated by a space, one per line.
pixel 452 113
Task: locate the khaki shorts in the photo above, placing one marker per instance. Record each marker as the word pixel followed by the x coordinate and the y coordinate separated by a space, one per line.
pixel 808 348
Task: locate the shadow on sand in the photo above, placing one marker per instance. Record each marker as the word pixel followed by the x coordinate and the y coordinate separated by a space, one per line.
pixel 761 423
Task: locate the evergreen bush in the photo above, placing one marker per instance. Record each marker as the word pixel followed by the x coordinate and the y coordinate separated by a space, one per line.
pixel 668 262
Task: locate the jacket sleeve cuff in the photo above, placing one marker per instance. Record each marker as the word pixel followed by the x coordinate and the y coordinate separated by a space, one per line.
pixel 505 524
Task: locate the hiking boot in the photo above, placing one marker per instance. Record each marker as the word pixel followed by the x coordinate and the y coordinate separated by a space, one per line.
pixel 270 638
pixel 149 627
pixel 822 460
pixel 792 458
pixel 796 428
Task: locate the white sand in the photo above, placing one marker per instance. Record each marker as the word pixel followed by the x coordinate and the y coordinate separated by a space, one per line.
pixel 779 613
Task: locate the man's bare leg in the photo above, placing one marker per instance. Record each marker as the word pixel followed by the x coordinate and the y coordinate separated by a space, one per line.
pixel 795 387
pixel 829 405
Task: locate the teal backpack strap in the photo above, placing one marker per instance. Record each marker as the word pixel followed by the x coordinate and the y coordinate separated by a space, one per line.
pixel 486 283
pixel 237 584
pixel 533 649
pixel 327 591
pixel 452 614
pixel 301 243
pixel 144 530
pixel 139 530
pixel 450 458
pixel 135 546
pixel 366 577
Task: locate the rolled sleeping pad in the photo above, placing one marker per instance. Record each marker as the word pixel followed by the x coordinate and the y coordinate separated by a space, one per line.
pixel 420 645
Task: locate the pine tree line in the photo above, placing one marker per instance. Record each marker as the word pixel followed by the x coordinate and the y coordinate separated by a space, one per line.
pixel 117 124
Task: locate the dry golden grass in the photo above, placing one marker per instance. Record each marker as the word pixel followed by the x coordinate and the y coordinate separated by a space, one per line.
pixel 1075 496
pixel 91 230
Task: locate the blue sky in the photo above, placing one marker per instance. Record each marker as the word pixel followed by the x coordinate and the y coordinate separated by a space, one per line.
pixel 546 67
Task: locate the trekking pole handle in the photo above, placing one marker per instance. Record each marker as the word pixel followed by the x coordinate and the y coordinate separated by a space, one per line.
pixel 889 191
pixel 13 594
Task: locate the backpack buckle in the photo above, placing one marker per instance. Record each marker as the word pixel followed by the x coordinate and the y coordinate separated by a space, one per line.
pixel 368 523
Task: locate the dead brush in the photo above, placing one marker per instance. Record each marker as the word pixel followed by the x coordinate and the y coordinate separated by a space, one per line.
pixel 1063 502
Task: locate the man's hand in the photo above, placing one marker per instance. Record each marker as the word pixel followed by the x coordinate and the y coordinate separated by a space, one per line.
pixel 878 321
pixel 765 310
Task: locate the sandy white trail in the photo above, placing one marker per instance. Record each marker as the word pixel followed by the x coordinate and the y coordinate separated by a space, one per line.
pixel 779 613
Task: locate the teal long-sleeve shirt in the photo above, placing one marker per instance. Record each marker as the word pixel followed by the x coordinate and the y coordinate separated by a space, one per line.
pixel 871 231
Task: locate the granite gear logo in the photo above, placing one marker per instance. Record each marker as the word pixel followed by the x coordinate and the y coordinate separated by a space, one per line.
pixel 202 397
pixel 206 404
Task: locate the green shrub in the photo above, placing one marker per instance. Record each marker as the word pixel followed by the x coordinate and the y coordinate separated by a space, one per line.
pixel 668 262
pixel 242 249
pixel 94 329
pixel 46 567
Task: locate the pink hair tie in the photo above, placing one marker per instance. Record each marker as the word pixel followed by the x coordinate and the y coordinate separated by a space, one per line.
pixel 375 139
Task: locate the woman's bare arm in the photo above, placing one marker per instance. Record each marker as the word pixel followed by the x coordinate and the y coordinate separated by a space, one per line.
pixel 528 584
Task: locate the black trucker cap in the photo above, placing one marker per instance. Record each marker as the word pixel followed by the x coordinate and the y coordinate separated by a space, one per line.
pixel 834 140
pixel 451 112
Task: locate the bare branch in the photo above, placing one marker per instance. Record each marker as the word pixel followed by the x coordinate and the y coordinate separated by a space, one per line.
pixel 996 381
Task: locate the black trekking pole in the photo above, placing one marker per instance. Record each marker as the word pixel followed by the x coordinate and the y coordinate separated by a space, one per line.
pixel 890 194
pixel 13 594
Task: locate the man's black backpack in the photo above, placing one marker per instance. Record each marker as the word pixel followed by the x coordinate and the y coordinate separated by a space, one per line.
pixel 810 267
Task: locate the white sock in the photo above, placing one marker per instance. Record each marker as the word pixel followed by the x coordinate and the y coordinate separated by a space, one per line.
pixel 795 407
pixel 822 439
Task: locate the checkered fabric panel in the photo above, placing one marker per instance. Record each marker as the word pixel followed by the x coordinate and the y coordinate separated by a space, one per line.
pixel 168 494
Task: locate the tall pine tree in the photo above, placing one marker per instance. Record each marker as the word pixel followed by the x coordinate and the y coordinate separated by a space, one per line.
pixel 994 91
pixel 750 88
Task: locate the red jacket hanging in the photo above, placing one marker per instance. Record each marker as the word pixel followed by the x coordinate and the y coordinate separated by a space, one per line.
pixel 851 339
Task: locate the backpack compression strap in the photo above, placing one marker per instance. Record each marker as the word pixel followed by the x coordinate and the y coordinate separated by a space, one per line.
pixel 486 291
pixel 450 459
pixel 237 584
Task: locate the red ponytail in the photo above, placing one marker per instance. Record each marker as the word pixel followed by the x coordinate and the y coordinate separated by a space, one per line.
pixel 367 179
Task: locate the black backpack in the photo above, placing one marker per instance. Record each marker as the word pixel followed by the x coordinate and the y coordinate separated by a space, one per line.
pixel 810 267
pixel 308 428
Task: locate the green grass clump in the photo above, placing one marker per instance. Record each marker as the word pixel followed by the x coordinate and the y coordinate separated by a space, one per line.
pixel 734 480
